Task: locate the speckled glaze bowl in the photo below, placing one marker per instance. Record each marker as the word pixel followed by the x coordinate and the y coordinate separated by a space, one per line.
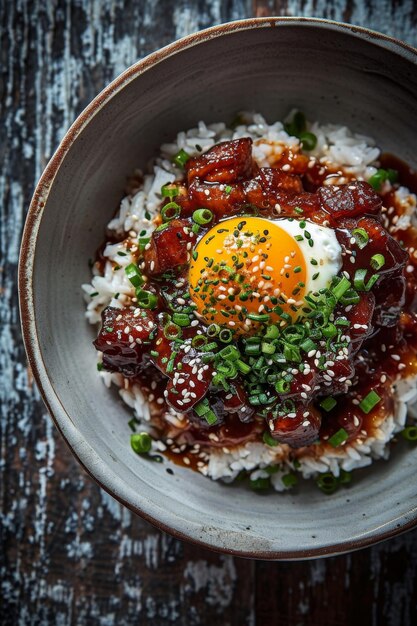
pixel 333 72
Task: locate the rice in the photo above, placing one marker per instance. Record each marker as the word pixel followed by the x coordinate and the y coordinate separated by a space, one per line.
pixel 347 154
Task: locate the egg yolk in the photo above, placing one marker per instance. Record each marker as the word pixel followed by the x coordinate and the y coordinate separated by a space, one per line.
pixel 247 270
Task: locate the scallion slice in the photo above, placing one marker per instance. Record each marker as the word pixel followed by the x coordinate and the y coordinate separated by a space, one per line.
pixel 198 341
pixel 359 280
pixel 410 433
pixel 338 438
pixel 146 299
pixel 141 443
pixel 327 483
pixel 361 237
pixel 289 480
pixel 282 386
pixel 202 216
pixel 372 281
pixel 170 211
pixel 243 367
pixel 172 331
pixel 328 403
pixel 225 335
pixel 213 330
pixel 272 332
pixel 143 242
pixel 308 140
pixel 181 158
pixel 340 289
pixel 377 261
pixel 169 191
pixel 261 317
pixel 134 275
pixel 230 353
pixel 268 348
pixel 369 402
pixel 260 484
pixel 182 319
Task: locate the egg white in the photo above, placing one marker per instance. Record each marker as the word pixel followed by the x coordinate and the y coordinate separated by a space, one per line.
pixel 326 251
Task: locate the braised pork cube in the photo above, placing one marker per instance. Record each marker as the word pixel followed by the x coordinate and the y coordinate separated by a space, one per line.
pixel 298 428
pixel 351 200
pixel 124 339
pixel 226 162
pixel 233 401
pixel 169 248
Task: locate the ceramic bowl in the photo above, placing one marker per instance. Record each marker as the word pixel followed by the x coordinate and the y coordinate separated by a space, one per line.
pixel 333 72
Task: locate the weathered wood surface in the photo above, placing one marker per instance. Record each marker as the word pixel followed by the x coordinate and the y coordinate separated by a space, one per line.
pixel 70 554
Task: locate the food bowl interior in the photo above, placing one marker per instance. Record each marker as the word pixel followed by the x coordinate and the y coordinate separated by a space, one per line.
pixel 331 73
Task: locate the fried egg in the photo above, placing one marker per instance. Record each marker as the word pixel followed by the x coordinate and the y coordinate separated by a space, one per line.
pixel 247 270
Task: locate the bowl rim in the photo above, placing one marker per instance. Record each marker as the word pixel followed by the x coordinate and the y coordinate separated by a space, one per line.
pixel 57 411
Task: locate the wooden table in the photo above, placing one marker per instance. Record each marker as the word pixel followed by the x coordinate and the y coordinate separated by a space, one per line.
pixel 70 553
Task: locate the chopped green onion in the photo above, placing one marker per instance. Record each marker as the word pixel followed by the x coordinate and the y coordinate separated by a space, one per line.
pixel 328 403
pixel 410 433
pixel 210 346
pixel 198 341
pixel 228 189
pixel 292 353
pixel 345 477
pixel 340 289
pixel 359 279
pixel 210 417
pixel 141 443
pixel 369 402
pixel 269 440
pixel 132 424
pixel 350 297
pixel 327 483
pixel 377 261
pixel 203 410
pixel 260 484
pixel 170 211
pixel 146 299
pixel 261 317
pixel 381 176
pixel 272 332
pixel 182 319
pixel 371 282
pixel 181 158
pixel 213 330
pixel 143 242
pixel 242 366
pixel 134 275
pixel 329 331
pixel 297 125
pixel 230 353
pixel 203 407
pixel 99 367
pixel 308 140
pixel 282 386
pixel 169 191
pixel 268 348
pixel 308 345
pixel 289 480
pixel 338 438
pixel 172 331
pixel 225 335
pixel 202 216
pixel 361 237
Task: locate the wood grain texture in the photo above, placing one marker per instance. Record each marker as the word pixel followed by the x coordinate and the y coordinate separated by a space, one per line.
pixel 70 554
